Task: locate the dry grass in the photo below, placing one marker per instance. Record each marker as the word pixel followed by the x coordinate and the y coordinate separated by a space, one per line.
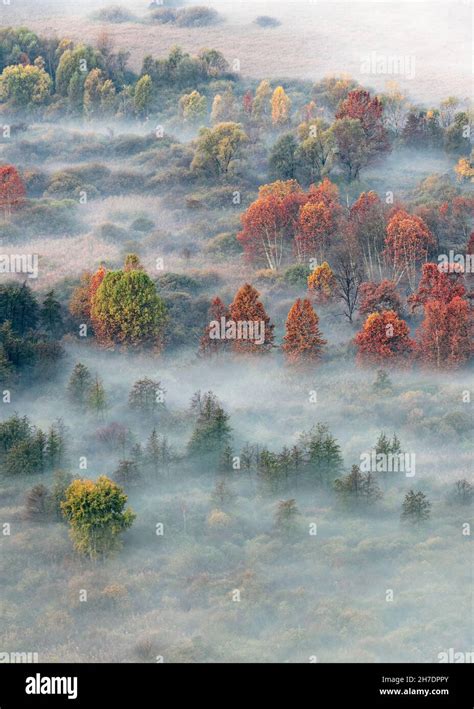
pixel 314 39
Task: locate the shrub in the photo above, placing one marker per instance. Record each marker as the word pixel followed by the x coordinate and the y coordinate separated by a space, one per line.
pixel 197 17
pixel 224 244
pixel 267 21
pixel 143 224
pixel 112 232
pixel 114 13
pixel 48 216
pixel 177 282
pixel 296 275
pixel 164 15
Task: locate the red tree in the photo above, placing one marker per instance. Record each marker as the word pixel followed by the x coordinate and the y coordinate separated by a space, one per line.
pixel 367 223
pixel 247 102
pixel 376 297
pixel 445 335
pixel 384 337
pixel 302 343
pixel 12 189
pixel 318 221
pixel 269 224
pixel 94 284
pixel 436 284
pixel 361 106
pixel 218 312
pixel 246 308
pixel 407 243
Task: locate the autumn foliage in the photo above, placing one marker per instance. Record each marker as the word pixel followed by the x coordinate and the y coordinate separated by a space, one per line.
pixel 436 284
pixel 384 337
pixel 247 307
pixel 318 220
pixel 367 226
pixel 208 345
pixel 269 224
pixel 322 282
pixel 407 244
pixel 12 189
pixel 285 219
pixel 302 343
pixel 375 297
pixel 445 335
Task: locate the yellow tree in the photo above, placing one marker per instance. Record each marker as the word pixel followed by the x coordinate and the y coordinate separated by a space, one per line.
pixel 322 282
pixel 280 107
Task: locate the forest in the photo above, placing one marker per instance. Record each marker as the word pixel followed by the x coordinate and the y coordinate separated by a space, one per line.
pixel 235 351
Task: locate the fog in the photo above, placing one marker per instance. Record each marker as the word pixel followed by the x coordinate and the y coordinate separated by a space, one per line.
pixel 210 571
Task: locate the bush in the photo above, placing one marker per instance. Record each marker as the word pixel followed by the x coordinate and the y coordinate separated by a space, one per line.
pixel 266 21
pixel 197 17
pixel 48 217
pixel 114 13
pixel 177 282
pixel 143 224
pixel 296 275
pixel 224 244
pixel 164 15
pixel 111 232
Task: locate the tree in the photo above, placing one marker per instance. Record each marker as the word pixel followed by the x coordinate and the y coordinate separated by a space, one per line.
pixel 322 283
pixel 464 168
pixel 445 335
pixel 321 455
pixel 12 189
pixel 382 383
pixel 348 280
pixel 247 308
pixel 217 149
pixel 142 97
pixel 127 473
pixel 356 488
pixel 302 343
pixel 315 154
pixel 269 224
pixel 37 503
pixel 97 515
pixel 352 150
pixel 367 226
pixel 395 108
pixel 261 103
pixel 147 397
pixel 97 399
pixel 25 86
pixel 463 492
pixel 18 306
pixel 286 516
pixel 319 219
pixel 224 107
pixel 192 107
pixel 282 162
pixel 416 507
pixel 384 337
pixel 437 284
pixel 219 313
pixel 127 310
pixel 51 315
pixel 407 244
pixel 280 105
pixel 360 106
pixel 99 94
pixel 212 432
pixel 376 297
pixel 79 385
